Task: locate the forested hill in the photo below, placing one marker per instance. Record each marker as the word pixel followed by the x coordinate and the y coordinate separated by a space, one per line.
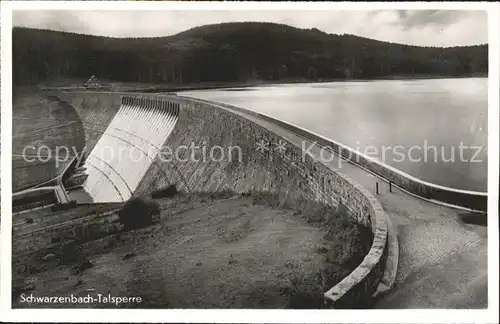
pixel 232 52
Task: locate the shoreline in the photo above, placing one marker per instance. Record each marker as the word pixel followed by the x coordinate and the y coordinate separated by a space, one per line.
pixel 152 87
pixel 207 86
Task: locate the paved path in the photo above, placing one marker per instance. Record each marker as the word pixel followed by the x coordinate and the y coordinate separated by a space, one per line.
pixel 442 261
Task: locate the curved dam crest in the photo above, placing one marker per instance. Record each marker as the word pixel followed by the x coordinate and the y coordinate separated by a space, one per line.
pixel 432 129
pixel 469 200
pixel 295 176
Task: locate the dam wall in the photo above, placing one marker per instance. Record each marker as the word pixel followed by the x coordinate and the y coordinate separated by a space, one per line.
pixel 100 108
pixel 211 149
pixel 473 200
pixel 220 151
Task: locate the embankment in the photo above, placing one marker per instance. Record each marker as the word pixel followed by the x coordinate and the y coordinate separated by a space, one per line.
pixel 47 229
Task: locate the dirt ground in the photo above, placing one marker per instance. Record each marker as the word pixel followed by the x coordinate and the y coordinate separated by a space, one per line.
pixel 204 253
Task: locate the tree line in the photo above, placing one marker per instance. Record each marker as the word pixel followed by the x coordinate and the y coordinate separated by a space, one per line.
pixel 232 52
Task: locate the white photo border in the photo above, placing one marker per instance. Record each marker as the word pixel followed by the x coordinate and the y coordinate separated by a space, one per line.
pixel 489 315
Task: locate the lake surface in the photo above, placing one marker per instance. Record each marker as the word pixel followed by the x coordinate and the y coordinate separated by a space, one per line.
pixel 435 130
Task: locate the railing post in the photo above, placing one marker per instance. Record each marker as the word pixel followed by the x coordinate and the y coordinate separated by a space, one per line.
pixel 376 187
pixel 390 186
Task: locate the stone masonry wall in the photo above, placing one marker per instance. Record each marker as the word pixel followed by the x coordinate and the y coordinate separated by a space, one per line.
pixel 290 173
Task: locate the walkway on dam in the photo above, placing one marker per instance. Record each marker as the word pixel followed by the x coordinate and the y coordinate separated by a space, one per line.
pixel 442 261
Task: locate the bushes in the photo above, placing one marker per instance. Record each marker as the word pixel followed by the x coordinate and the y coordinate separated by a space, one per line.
pixel 167 192
pixel 222 194
pixel 345 246
pixel 306 291
pixel 138 212
pixel 71 252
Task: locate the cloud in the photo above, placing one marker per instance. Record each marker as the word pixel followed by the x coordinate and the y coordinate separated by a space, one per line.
pixel 428 27
pixel 414 27
pixel 422 18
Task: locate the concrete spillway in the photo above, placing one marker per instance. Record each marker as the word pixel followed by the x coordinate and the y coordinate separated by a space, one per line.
pixel 128 147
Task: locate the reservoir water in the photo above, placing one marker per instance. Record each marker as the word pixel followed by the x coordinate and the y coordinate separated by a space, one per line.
pixel 433 129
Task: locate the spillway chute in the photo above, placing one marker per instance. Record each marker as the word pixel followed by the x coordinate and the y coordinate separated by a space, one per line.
pixel 128 147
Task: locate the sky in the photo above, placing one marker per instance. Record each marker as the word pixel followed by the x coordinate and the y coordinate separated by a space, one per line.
pixel 413 27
